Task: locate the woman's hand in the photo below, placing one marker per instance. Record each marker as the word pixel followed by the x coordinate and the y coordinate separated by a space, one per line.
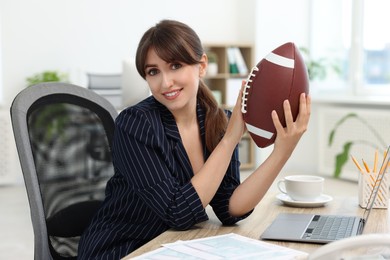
pixel 287 137
pixel 236 126
pixel 253 188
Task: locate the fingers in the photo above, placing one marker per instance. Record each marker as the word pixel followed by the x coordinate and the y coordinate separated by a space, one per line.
pixel 302 103
pixel 236 126
pixel 276 121
pixel 304 108
pixel 287 113
pixel 303 116
pixel 288 137
pixel 243 82
pixel 308 104
pixel 239 97
pixel 241 101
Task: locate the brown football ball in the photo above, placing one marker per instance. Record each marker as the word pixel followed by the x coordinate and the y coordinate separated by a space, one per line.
pixel 281 75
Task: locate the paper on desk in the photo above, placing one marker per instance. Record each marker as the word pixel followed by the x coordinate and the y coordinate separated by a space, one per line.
pixel 229 246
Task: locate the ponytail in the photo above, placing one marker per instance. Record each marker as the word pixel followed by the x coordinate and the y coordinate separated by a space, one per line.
pixel 216 119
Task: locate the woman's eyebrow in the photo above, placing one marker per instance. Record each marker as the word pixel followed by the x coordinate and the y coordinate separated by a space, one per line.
pixel 150 65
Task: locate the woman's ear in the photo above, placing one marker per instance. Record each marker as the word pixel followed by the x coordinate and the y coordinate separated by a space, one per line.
pixel 203 65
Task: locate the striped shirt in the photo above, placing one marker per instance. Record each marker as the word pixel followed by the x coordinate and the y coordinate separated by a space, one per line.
pixel 151 190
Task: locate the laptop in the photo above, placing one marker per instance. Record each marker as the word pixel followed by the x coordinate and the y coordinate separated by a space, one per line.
pixel 322 229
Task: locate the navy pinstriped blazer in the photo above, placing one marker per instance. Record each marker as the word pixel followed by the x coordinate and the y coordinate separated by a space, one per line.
pixel 151 191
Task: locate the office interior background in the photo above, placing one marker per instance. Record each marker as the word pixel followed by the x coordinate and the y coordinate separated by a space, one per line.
pixel 78 37
pixel 348 38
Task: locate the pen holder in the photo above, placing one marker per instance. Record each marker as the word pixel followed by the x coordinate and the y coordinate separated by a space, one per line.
pixel 366 185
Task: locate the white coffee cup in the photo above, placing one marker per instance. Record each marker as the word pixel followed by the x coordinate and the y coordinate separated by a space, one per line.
pixel 302 187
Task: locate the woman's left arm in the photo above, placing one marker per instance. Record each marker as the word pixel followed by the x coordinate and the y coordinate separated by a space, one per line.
pixel 220 201
pixel 249 193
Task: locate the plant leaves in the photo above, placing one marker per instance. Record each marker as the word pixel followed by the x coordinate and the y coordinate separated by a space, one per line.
pixel 47 76
pixel 331 136
pixel 342 159
pixel 338 123
pixel 345 118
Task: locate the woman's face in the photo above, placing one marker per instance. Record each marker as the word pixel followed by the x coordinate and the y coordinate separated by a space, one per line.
pixel 175 84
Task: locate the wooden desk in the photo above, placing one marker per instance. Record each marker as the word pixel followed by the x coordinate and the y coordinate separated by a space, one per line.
pixel 265 213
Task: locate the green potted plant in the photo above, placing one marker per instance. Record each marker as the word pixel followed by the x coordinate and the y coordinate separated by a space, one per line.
pixel 57 125
pixel 342 158
pixel 212 68
pixel 47 76
pixel 318 69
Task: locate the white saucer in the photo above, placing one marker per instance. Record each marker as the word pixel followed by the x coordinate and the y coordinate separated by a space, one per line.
pixel 319 202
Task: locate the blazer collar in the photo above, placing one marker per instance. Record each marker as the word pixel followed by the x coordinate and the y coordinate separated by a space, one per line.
pixel 170 125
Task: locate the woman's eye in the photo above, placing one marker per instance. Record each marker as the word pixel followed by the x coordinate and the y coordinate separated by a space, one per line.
pixel 152 72
pixel 176 66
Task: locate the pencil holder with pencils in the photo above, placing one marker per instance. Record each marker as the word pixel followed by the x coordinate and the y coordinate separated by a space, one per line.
pixel 367 182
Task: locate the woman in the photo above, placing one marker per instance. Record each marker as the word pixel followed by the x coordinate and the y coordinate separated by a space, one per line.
pixel 176 152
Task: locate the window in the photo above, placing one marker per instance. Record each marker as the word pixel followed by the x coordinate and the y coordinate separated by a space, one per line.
pixel 1 70
pixel 351 41
pixel 376 45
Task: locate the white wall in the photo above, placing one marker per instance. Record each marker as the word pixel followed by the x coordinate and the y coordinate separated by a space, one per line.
pixel 96 35
pixel 278 22
pixel 281 21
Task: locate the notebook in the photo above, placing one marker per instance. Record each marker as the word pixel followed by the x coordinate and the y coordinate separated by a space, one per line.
pixel 322 229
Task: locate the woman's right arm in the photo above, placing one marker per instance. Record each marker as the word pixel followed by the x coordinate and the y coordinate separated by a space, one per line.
pixel 210 176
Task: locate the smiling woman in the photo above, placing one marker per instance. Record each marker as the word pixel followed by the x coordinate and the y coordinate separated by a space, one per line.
pixel 176 152
pixel 161 145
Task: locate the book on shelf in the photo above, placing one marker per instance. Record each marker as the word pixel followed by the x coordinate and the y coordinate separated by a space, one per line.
pixel 233 69
pixel 241 65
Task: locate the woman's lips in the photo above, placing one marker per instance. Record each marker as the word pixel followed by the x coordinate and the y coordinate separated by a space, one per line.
pixel 172 94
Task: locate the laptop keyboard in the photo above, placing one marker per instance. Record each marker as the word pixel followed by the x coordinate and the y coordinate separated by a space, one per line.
pixel 329 227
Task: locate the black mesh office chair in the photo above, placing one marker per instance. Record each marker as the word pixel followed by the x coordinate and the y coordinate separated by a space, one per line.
pixel 63 135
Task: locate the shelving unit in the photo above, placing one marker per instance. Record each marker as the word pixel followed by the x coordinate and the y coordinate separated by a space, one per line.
pixel 226 85
pixel 220 81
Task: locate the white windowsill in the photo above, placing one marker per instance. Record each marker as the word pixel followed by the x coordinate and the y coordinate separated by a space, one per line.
pixel 351 100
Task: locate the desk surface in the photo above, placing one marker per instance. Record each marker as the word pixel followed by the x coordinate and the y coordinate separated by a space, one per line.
pixel 267 210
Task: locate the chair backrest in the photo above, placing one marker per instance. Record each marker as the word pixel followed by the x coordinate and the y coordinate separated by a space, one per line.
pixel 63 135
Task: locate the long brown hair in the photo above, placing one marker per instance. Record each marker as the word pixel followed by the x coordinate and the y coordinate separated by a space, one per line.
pixel 175 41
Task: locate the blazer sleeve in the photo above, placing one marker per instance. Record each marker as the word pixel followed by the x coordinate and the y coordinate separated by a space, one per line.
pixel 140 154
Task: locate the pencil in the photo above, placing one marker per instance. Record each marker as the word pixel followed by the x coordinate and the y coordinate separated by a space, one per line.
pixel 384 162
pixel 366 166
pixel 375 160
pixel 374 184
pixel 357 164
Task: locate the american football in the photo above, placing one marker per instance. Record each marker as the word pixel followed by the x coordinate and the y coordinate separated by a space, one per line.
pixel 281 75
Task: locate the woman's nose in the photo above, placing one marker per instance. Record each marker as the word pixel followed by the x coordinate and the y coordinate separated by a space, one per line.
pixel 167 80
